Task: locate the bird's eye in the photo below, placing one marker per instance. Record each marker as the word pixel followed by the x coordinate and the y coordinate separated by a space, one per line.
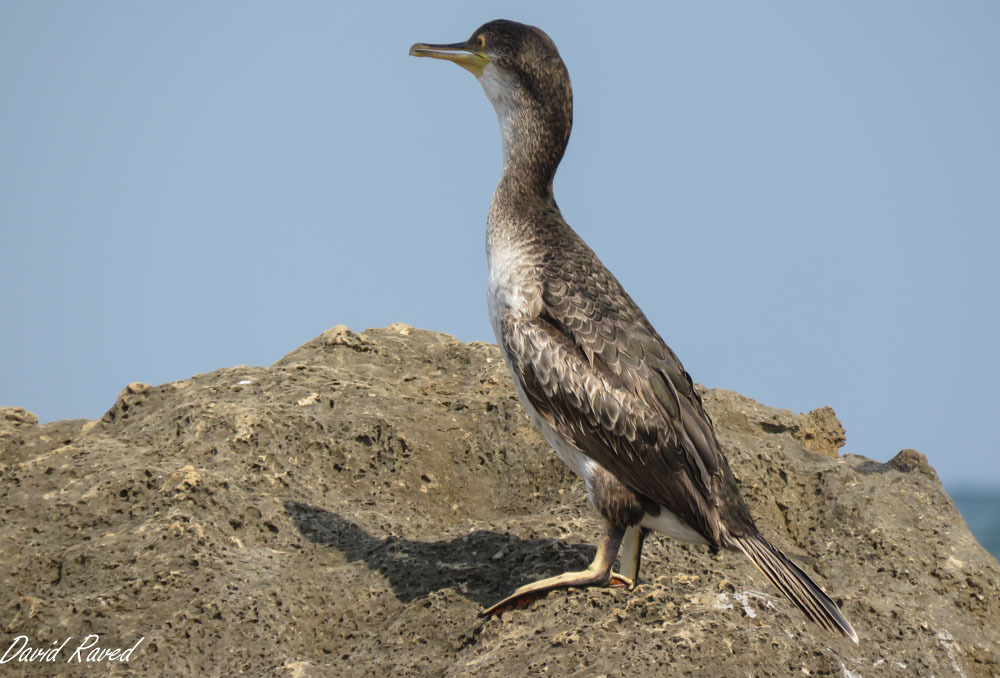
pixel 482 41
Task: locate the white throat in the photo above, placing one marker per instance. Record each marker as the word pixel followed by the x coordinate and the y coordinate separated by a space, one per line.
pixel 499 85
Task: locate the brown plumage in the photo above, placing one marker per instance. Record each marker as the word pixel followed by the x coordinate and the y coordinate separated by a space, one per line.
pixel 608 393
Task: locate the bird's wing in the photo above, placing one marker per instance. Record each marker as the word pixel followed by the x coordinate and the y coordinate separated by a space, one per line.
pixel 594 367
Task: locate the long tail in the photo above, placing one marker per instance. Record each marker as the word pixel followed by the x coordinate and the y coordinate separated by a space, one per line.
pixel 794 583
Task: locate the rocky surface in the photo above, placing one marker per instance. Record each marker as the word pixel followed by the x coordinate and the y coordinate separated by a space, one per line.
pixel 350 509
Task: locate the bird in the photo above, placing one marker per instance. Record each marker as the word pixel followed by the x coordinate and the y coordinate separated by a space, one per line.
pixel 610 397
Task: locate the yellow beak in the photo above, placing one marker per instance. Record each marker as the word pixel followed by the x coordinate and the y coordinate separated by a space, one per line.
pixel 465 55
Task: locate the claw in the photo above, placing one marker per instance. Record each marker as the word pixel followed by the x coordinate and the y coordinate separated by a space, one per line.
pixel 620 582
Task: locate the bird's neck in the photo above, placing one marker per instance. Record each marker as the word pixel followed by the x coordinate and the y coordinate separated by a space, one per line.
pixel 532 149
pixel 534 130
pixel 524 207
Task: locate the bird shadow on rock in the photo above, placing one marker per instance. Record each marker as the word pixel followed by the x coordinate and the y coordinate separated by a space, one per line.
pixel 483 566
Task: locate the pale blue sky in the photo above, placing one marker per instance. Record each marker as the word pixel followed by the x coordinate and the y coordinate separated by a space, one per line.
pixel 802 197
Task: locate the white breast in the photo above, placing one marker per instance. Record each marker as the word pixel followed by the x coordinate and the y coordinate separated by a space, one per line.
pixel 505 287
pixel 509 282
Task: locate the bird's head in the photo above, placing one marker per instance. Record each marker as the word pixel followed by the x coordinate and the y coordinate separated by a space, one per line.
pixel 525 79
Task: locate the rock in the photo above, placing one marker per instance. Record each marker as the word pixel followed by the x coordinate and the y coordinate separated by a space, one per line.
pixel 18 415
pixel 15 424
pixel 818 431
pixel 352 508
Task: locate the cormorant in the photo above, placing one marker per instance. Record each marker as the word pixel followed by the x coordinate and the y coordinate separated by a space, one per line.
pixel 609 395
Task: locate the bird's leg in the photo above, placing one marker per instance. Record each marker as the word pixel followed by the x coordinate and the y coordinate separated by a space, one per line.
pixel 635 536
pixel 597 574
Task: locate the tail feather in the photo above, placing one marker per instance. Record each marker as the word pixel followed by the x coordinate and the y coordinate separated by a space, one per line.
pixel 794 584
